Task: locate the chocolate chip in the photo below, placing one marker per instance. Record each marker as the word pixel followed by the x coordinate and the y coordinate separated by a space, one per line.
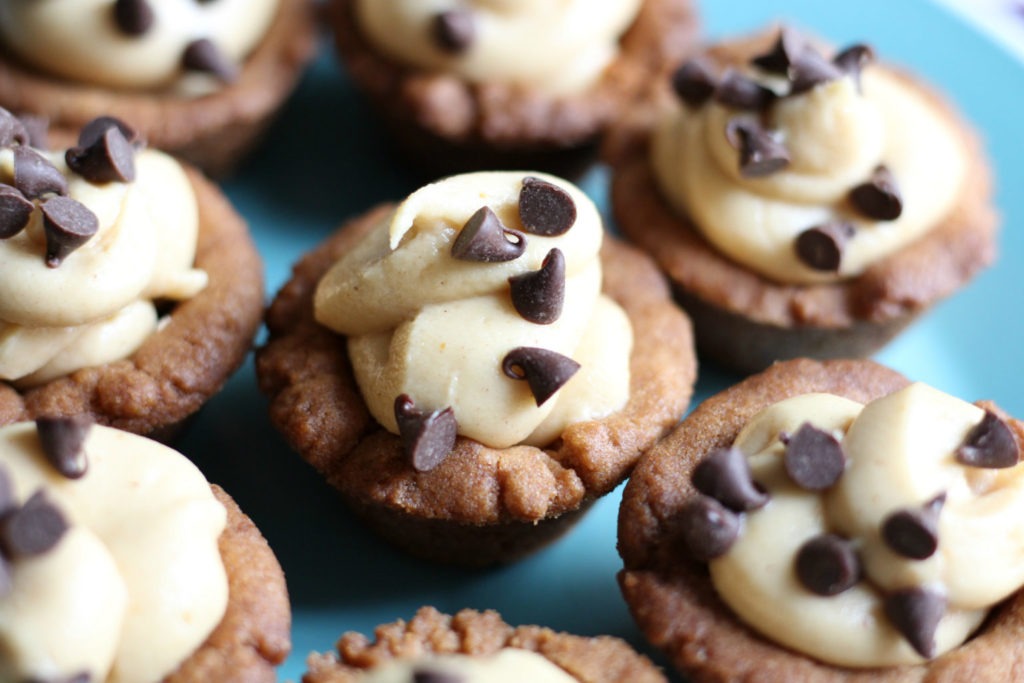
pixel 62 439
pixel 693 82
pixel 544 370
pixel 7 500
pixel 545 209
pixel 454 31
pixel 821 247
pixel 485 238
pixel 784 52
pixel 33 529
pixel 81 677
pixel 814 459
pixel 725 476
pixel 427 438
pixel 37 128
pixel 93 131
pixel 35 176
pixel 760 153
pixel 914 532
pixel 742 92
pixel 827 565
pixel 133 17
pixel 424 675
pixel 6 580
pixel 15 211
pixel 707 528
pixel 879 197
pixel 204 56
pixel 916 613
pixel 989 444
pixel 853 59
pixel 110 159
pixel 810 69
pixel 68 224
pixel 12 130
pixel 538 296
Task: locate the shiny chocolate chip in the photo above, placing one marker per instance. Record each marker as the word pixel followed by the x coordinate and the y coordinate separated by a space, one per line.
pixel 821 247
pixel 110 159
pixel 68 225
pixel 545 209
pixel 827 565
pixel 707 528
pixel 33 529
pixel 427 437
pixel 538 296
pixel 879 197
pixel 814 459
pixel 742 92
pixel 916 613
pixel 485 238
pixel 15 211
pixel 787 47
pixel 12 130
pixel 133 17
pixel 204 56
pixel 35 176
pixel 811 69
pixel 93 131
pixel 7 500
pixel 454 31
pixel 760 154
pixel 725 476
pixel 693 82
pixel 37 128
pixel 989 444
pixel 545 371
pixel 423 674
pixel 913 532
pixel 63 440
pixel 853 59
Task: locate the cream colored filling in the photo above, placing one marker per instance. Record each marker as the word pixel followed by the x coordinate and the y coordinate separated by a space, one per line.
pixel 517 41
pixel 79 39
pixel 423 323
pixel 510 665
pixel 900 453
pixel 135 585
pixel 835 136
pixel 97 306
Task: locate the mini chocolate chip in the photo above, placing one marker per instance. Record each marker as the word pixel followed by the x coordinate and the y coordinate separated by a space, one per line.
pixel 693 82
pixel 538 296
pixel 35 176
pixel 7 500
pixel 914 532
pixel 916 613
pixel 827 565
pixel 811 69
pixel 879 197
pixel 33 529
pixel 6 580
pixel 814 459
pixel 783 53
pixel 424 675
pixel 62 439
pixel 760 153
pixel 110 159
pixel 485 238
pixel 37 128
pixel 545 209
pixel 68 225
pixel 545 371
pixel 742 92
pixel 15 211
pixel 725 476
pixel 989 444
pixel 133 17
pixel 454 31
pixel 12 130
pixel 427 438
pixel 821 247
pixel 853 59
pixel 204 56
pixel 707 528
pixel 93 131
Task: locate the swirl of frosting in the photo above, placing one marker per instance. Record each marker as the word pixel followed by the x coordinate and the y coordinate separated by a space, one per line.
pixel 100 42
pixel 505 666
pixel 438 327
pixel 828 138
pixel 502 41
pixel 904 462
pixel 134 585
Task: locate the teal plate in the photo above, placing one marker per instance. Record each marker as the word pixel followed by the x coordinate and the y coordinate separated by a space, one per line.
pixel 327 159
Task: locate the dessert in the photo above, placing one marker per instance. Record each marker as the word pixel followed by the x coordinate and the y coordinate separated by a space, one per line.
pixel 803 201
pixel 473 367
pixel 830 521
pixel 129 288
pixel 198 79
pixel 472 647
pixel 119 562
pixel 499 84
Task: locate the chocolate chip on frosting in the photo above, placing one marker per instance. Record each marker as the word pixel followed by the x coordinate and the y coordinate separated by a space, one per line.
pixel 425 675
pixel 787 48
pixel 693 82
pixel 35 176
pixel 110 159
pixel 68 225
pixel 6 580
pixel 916 613
pixel 486 239
pixel 544 370
pixel 12 130
pixel 93 131
pixel 879 197
pixel 545 209
pixel 62 439
pixel 853 59
pixel 204 56
pixel 827 565
pixel 742 92
pixel 760 153
pixel 133 17
pixel 7 500
pixel 15 211
pixel 454 31
pixel 821 247
pixel 82 677
pixel 707 528
pixel 37 129
pixel 538 296
pixel 810 69
pixel 725 476
pixel 32 529
pixel 427 438
pixel 814 459
pixel 989 444
pixel 914 532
